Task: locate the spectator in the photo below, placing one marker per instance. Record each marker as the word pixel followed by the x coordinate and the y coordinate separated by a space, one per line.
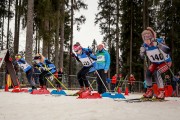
pixel 113 82
pixel 103 64
pixel 131 82
pixel 167 80
pixel 59 75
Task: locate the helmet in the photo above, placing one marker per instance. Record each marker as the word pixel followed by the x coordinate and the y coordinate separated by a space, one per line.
pixel 77 47
pixel 18 56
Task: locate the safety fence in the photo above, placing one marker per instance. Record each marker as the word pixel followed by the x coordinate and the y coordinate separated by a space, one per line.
pixel 136 87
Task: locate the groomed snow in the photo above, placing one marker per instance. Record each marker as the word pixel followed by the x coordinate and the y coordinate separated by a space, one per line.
pixel 24 106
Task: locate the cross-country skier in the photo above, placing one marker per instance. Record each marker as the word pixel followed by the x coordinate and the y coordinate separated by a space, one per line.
pixel 87 58
pixel 158 54
pixel 46 67
pixel 27 68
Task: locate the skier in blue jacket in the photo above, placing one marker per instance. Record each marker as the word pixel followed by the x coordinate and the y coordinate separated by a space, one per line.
pixel 46 68
pixel 88 60
pixel 27 68
pixel 102 67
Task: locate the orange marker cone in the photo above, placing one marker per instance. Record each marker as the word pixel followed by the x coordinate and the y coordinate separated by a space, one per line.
pixel 6 88
pixel 119 90
pixel 126 91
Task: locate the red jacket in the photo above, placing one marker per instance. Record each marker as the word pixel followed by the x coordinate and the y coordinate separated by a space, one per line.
pixel 114 79
pixel 131 80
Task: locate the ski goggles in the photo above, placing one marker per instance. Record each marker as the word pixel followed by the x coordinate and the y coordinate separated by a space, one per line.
pixel 147 37
pixel 76 48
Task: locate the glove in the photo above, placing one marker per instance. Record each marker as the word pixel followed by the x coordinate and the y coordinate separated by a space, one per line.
pixel 155 43
pixel 87 53
pixel 142 55
pixel 73 55
pixel 142 50
pixel 42 68
pixel 49 68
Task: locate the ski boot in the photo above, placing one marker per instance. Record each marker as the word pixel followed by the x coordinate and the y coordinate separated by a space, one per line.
pixel 80 91
pixel 34 88
pixel 87 90
pixel 148 95
pixel 161 94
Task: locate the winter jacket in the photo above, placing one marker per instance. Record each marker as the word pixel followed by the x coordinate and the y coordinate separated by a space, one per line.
pixel 103 60
pixel 47 66
pixel 155 53
pixel 114 80
pixel 86 57
pixel 24 65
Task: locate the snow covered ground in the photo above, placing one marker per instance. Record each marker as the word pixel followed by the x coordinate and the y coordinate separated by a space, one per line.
pixel 24 106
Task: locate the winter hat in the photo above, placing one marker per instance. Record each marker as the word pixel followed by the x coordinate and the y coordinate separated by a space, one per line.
pixel 101 45
pixel 18 56
pixel 148 34
pixel 77 46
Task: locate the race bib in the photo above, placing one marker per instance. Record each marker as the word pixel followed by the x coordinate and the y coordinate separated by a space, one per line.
pixel 156 56
pixel 24 66
pixel 86 61
pixel 100 58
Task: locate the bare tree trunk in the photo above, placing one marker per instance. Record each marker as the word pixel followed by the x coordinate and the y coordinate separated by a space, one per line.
pixel 29 33
pixel 2 34
pixel 8 25
pixel 45 40
pixel 62 36
pixel 131 37
pixel 16 41
pixel 38 44
pixel 36 49
pixel 117 39
pixel 109 41
pixel 71 42
pixel 17 26
pixel 57 35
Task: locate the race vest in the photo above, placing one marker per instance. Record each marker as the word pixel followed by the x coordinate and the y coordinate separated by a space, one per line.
pixel 156 56
pixel 101 58
pixel 25 66
pixel 86 61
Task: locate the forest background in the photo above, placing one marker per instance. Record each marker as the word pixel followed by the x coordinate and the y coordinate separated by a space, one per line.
pixel 50 24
